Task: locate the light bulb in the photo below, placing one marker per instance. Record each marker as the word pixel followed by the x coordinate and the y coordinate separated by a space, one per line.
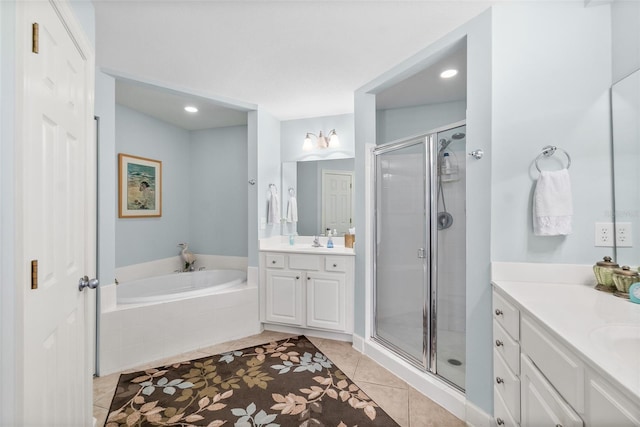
pixel 190 109
pixel 306 146
pixel 334 141
pixel 446 74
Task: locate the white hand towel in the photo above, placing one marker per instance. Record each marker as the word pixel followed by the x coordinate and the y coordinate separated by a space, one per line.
pixel 273 212
pixel 292 210
pixel 552 204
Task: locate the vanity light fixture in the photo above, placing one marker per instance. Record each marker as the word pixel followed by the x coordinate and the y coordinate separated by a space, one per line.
pixel 190 109
pixel 447 74
pixel 330 141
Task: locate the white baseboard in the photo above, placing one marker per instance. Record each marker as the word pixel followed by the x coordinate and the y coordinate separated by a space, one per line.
pixel 476 417
pixel 358 343
pixel 308 332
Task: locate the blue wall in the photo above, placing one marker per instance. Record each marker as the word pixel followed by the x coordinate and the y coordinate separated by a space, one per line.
pixel 398 123
pixel 146 239
pixel 204 189
pixel 218 210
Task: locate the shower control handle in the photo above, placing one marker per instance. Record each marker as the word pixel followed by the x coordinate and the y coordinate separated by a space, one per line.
pixel 498 312
pixel 499 380
pixel 477 154
pixel 499 343
pixel 500 421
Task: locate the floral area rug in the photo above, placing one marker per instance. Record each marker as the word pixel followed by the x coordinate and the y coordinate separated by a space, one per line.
pixel 284 383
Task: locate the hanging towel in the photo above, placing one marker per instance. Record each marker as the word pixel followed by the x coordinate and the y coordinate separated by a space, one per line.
pixel 292 210
pixel 273 212
pixel 552 204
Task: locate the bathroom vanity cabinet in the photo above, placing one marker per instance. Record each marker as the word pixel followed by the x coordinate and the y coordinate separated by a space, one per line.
pixel 540 379
pixel 311 291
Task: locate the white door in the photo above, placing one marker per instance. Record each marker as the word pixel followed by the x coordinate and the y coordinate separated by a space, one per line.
pixel 56 204
pixel 337 188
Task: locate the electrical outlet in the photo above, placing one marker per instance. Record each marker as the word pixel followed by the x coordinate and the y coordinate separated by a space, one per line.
pixel 604 234
pixel 623 235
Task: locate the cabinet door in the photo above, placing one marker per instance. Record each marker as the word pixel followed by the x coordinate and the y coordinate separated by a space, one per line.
pixel 284 297
pixel 326 301
pixel 608 407
pixel 541 404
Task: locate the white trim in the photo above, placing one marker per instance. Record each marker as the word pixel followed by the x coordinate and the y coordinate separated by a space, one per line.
pixel 337 336
pixel 476 417
pixel 358 343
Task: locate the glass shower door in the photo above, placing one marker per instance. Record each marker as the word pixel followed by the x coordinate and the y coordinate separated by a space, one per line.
pixel 401 291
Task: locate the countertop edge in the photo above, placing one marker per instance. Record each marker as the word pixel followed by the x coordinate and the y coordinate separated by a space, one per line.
pixel 554 329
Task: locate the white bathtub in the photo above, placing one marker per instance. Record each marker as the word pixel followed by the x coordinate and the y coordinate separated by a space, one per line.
pixel 164 316
pixel 177 286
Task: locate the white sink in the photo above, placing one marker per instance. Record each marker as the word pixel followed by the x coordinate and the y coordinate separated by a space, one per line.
pixel 622 340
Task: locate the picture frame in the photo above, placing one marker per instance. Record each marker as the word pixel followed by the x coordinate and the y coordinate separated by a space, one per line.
pixel 139 187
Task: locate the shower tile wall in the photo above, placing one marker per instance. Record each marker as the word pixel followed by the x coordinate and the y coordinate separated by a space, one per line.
pixel 451 249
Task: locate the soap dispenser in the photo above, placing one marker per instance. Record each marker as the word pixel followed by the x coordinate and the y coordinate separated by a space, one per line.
pixel 330 241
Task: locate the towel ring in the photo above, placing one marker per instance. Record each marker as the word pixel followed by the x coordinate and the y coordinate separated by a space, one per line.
pixel 549 151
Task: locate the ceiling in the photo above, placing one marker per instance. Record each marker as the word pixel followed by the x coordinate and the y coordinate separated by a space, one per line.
pixel 168 106
pixel 295 59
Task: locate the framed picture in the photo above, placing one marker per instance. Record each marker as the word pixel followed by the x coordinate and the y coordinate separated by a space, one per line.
pixel 139 187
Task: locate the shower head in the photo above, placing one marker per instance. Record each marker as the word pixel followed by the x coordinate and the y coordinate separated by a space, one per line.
pixel 459 135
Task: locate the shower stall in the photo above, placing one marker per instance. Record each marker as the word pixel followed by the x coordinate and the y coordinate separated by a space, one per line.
pixel 420 251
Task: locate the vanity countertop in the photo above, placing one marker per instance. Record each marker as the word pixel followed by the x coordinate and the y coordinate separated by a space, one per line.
pixel 303 244
pixel 600 327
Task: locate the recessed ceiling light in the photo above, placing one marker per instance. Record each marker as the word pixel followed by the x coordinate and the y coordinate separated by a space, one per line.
pixel 448 73
pixel 190 109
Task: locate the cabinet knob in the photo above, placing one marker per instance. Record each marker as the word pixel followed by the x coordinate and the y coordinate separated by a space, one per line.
pixel 498 312
pixel 335 265
pixel 499 343
pixel 297 277
pixel 273 262
pixel 499 380
pixel 499 421
pixel 308 278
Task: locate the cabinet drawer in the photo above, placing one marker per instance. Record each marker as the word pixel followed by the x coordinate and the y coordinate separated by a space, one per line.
pixel 304 262
pixel 557 363
pixel 501 412
pixel 507 385
pixel 506 315
pixel 335 264
pixel 507 347
pixel 274 261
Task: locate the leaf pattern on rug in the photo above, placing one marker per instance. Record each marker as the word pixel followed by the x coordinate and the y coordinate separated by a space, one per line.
pixel 284 383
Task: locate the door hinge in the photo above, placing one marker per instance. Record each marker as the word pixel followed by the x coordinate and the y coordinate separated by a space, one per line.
pixel 34 274
pixel 35 38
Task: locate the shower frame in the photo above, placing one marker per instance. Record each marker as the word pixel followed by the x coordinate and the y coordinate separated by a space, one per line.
pixel 430 273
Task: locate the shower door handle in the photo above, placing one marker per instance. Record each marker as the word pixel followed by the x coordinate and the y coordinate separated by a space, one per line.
pixel 421 253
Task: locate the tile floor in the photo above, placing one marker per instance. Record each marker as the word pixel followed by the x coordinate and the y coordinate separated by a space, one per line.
pixel 402 402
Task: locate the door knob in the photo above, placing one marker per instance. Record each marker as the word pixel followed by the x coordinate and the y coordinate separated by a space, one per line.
pixel 85 282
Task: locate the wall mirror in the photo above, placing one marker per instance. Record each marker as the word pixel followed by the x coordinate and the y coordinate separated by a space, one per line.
pixel 324 191
pixel 625 106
